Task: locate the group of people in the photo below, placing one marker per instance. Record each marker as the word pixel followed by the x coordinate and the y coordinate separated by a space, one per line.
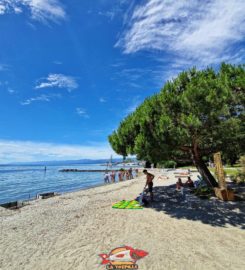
pixel 179 185
pixel 189 183
pixel 110 176
pixel 128 174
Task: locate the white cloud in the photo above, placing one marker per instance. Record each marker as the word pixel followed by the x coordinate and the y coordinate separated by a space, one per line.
pixel 82 112
pixel 202 32
pixel 140 77
pixel 136 101
pixel 21 151
pixel 17 10
pixel 58 81
pixel 3 67
pixel 102 100
pixel 2 9
pixel 45 98
pixel 30 100
pixel 57 62
pixel 41 10
pixel 11 91
pixel 109 14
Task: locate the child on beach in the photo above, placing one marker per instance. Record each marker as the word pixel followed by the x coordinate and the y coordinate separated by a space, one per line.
pixel 149 182
pixel 106 177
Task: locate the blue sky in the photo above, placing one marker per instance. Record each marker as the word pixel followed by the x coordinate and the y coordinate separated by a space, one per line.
pixel 70 71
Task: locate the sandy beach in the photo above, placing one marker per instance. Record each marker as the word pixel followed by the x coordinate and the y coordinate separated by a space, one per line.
pixel 70 230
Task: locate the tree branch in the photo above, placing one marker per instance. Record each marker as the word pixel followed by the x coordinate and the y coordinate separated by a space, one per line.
pixel 185 148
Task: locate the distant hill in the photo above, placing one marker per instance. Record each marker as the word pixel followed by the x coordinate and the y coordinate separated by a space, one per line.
pixel 63 162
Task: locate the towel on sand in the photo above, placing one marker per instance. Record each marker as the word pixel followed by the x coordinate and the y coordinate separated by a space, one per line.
pixel 127 205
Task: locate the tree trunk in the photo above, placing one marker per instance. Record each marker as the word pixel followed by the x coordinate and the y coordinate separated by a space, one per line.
pixel 147 164
pixel 203 169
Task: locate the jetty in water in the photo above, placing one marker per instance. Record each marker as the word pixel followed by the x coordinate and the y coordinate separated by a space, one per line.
pixel 77 170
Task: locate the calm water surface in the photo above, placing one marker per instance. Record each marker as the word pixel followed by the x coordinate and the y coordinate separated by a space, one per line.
pixel 24 182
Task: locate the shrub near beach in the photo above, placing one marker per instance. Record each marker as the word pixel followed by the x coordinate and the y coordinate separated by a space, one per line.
pixel 239 177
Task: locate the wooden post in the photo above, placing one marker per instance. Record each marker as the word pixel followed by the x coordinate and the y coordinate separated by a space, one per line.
pixel 222 192
pixel 219 170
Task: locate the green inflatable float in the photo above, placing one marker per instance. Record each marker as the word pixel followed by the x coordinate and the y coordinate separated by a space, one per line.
pixel 127 205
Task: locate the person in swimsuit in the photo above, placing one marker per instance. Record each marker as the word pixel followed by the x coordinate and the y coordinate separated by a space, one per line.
pixel 106 177
pixel 189 183
pixel 136 172
pixel 120 176
pixel 130 171
pixel 179 184
pixel 149 182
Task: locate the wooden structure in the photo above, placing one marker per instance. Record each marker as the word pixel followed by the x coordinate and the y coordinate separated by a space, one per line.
pixel 224 194
pixel 78 170
pixel 219 170
pixel 221 192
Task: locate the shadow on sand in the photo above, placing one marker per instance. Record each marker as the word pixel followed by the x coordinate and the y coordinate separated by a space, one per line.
pixel 213 211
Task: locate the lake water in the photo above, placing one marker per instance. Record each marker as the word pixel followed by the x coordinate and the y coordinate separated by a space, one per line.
pixel 24 182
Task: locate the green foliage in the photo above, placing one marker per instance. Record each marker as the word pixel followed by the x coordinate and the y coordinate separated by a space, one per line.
pixel 242 163
pixel 239 177
pixel 170 164
pixel 204 192
pixel 194 115
pixel 129 160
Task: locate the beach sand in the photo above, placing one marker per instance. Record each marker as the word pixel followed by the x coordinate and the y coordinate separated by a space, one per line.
pixel 70 230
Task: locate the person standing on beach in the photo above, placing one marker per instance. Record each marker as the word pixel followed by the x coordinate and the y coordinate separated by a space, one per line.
pixel 127 175
pixel 106 177
pixel 130 171
pixel 123 175
pixel 149 182
pixel 112 176
pixel 120 176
